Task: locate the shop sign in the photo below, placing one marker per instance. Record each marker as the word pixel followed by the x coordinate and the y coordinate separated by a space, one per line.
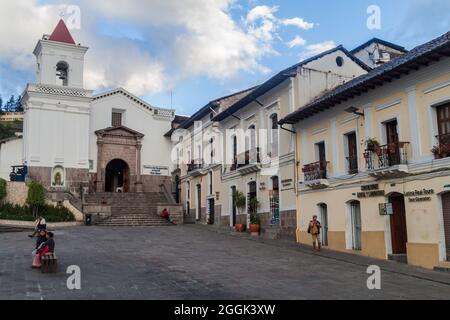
pixel 371 194
pixel 419 195
pixel 370 187
pixel 386 209
pixel 287 184
pixel 370 191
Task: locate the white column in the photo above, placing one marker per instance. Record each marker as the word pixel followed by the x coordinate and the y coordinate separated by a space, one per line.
pixel 414 125
pixel 368 130
pixel 304 147
pixel 334 151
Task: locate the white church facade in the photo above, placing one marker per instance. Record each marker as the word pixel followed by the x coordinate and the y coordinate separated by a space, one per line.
pixel 74 140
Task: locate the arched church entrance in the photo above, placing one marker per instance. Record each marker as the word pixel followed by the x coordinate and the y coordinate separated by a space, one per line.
pixel 117 176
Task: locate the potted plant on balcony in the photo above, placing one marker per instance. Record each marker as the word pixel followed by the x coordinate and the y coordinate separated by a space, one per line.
pixel 254 219
pixel 239 200
pixel 372 144
pixel 436 151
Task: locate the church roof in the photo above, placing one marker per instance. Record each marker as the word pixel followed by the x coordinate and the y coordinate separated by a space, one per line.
pixel 61 34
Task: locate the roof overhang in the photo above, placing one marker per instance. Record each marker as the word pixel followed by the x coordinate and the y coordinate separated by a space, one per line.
pixel 420 57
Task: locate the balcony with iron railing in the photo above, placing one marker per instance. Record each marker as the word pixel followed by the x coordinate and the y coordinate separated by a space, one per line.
pixel 316 174
pixel 194 168
pixel 247 161
pixel 388 160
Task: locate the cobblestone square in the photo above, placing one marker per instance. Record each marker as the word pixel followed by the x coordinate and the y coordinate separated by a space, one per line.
pixel 194 262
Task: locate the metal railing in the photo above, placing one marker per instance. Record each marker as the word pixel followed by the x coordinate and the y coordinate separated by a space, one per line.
pixel 246 158
pixel 195 165
pixel 315 171
pixel 444 144
pixel 387 155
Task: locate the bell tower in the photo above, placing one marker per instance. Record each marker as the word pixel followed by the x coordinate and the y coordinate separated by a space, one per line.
pixel 57 114
pixel 59 61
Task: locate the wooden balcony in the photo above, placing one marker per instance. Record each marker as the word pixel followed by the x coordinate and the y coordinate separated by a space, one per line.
pixel 388 161
pixel 316 175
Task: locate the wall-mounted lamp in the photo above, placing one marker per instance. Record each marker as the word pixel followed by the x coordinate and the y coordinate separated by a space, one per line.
pixel 354 110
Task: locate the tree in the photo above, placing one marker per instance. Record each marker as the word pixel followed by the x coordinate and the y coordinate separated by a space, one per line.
pixel 18 104
pixel 2 189
pixel 10 104
pixel 35 197
pixel 1 105
pixel 239 200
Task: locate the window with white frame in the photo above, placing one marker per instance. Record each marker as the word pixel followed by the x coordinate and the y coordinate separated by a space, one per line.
pixel 274 144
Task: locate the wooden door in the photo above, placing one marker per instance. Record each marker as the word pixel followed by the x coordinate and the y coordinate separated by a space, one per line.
pixel 356 225
pixel 352 153
pixel 322 155
pixel 392 141
pixel 323 219
pixel 446 213
pixel 443 119
pixel 399 233
pixel 199 202
pixel 233 205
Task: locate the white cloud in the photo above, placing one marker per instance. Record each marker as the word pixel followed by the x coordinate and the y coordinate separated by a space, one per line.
pixel 262 12
pixel 195 37
pixel 296 42
pixel 317 48
pixel 298 22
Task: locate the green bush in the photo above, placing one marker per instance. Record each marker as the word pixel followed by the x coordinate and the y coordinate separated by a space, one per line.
pixel 25 213
pixel 2 189
pixel 35 197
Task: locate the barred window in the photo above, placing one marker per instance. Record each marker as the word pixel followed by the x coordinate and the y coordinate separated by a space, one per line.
pixel 116 119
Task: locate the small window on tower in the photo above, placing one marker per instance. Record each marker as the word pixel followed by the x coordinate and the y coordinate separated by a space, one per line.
pixel 116 119
pixel 62 73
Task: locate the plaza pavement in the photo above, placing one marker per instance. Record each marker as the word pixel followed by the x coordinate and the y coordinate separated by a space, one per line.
pixel 197 262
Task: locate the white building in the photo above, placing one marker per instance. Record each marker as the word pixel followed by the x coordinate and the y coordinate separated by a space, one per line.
pixel 75 139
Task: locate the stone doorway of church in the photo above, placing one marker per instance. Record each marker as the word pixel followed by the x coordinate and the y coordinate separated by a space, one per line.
pixel 117 176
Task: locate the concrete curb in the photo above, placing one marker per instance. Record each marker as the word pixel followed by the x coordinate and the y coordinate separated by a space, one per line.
pixel 30 224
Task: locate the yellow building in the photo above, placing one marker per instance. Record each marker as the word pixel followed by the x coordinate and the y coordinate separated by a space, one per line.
pixel 373 160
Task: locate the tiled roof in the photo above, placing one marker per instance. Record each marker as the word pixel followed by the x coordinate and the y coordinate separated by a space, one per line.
pixel 413 60
pixel 61 34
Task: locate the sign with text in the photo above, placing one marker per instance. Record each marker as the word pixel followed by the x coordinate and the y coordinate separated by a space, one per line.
pixel 386 209
pixel 155 170
pixel 419 195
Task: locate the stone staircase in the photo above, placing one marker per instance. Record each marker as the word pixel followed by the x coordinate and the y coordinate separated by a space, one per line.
pixel 128 209
pixel 134 220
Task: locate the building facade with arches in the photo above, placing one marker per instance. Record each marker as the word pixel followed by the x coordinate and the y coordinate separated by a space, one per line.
pixel 375 153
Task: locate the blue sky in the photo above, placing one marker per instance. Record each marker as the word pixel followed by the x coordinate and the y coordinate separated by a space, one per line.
pixel 203 49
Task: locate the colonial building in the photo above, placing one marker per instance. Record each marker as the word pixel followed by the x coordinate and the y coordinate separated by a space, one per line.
pixel 373 160
pixel 197 152
pixel 258 155
pixel 76 140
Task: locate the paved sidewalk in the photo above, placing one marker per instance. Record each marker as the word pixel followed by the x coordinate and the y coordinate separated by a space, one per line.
pixel 195 262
